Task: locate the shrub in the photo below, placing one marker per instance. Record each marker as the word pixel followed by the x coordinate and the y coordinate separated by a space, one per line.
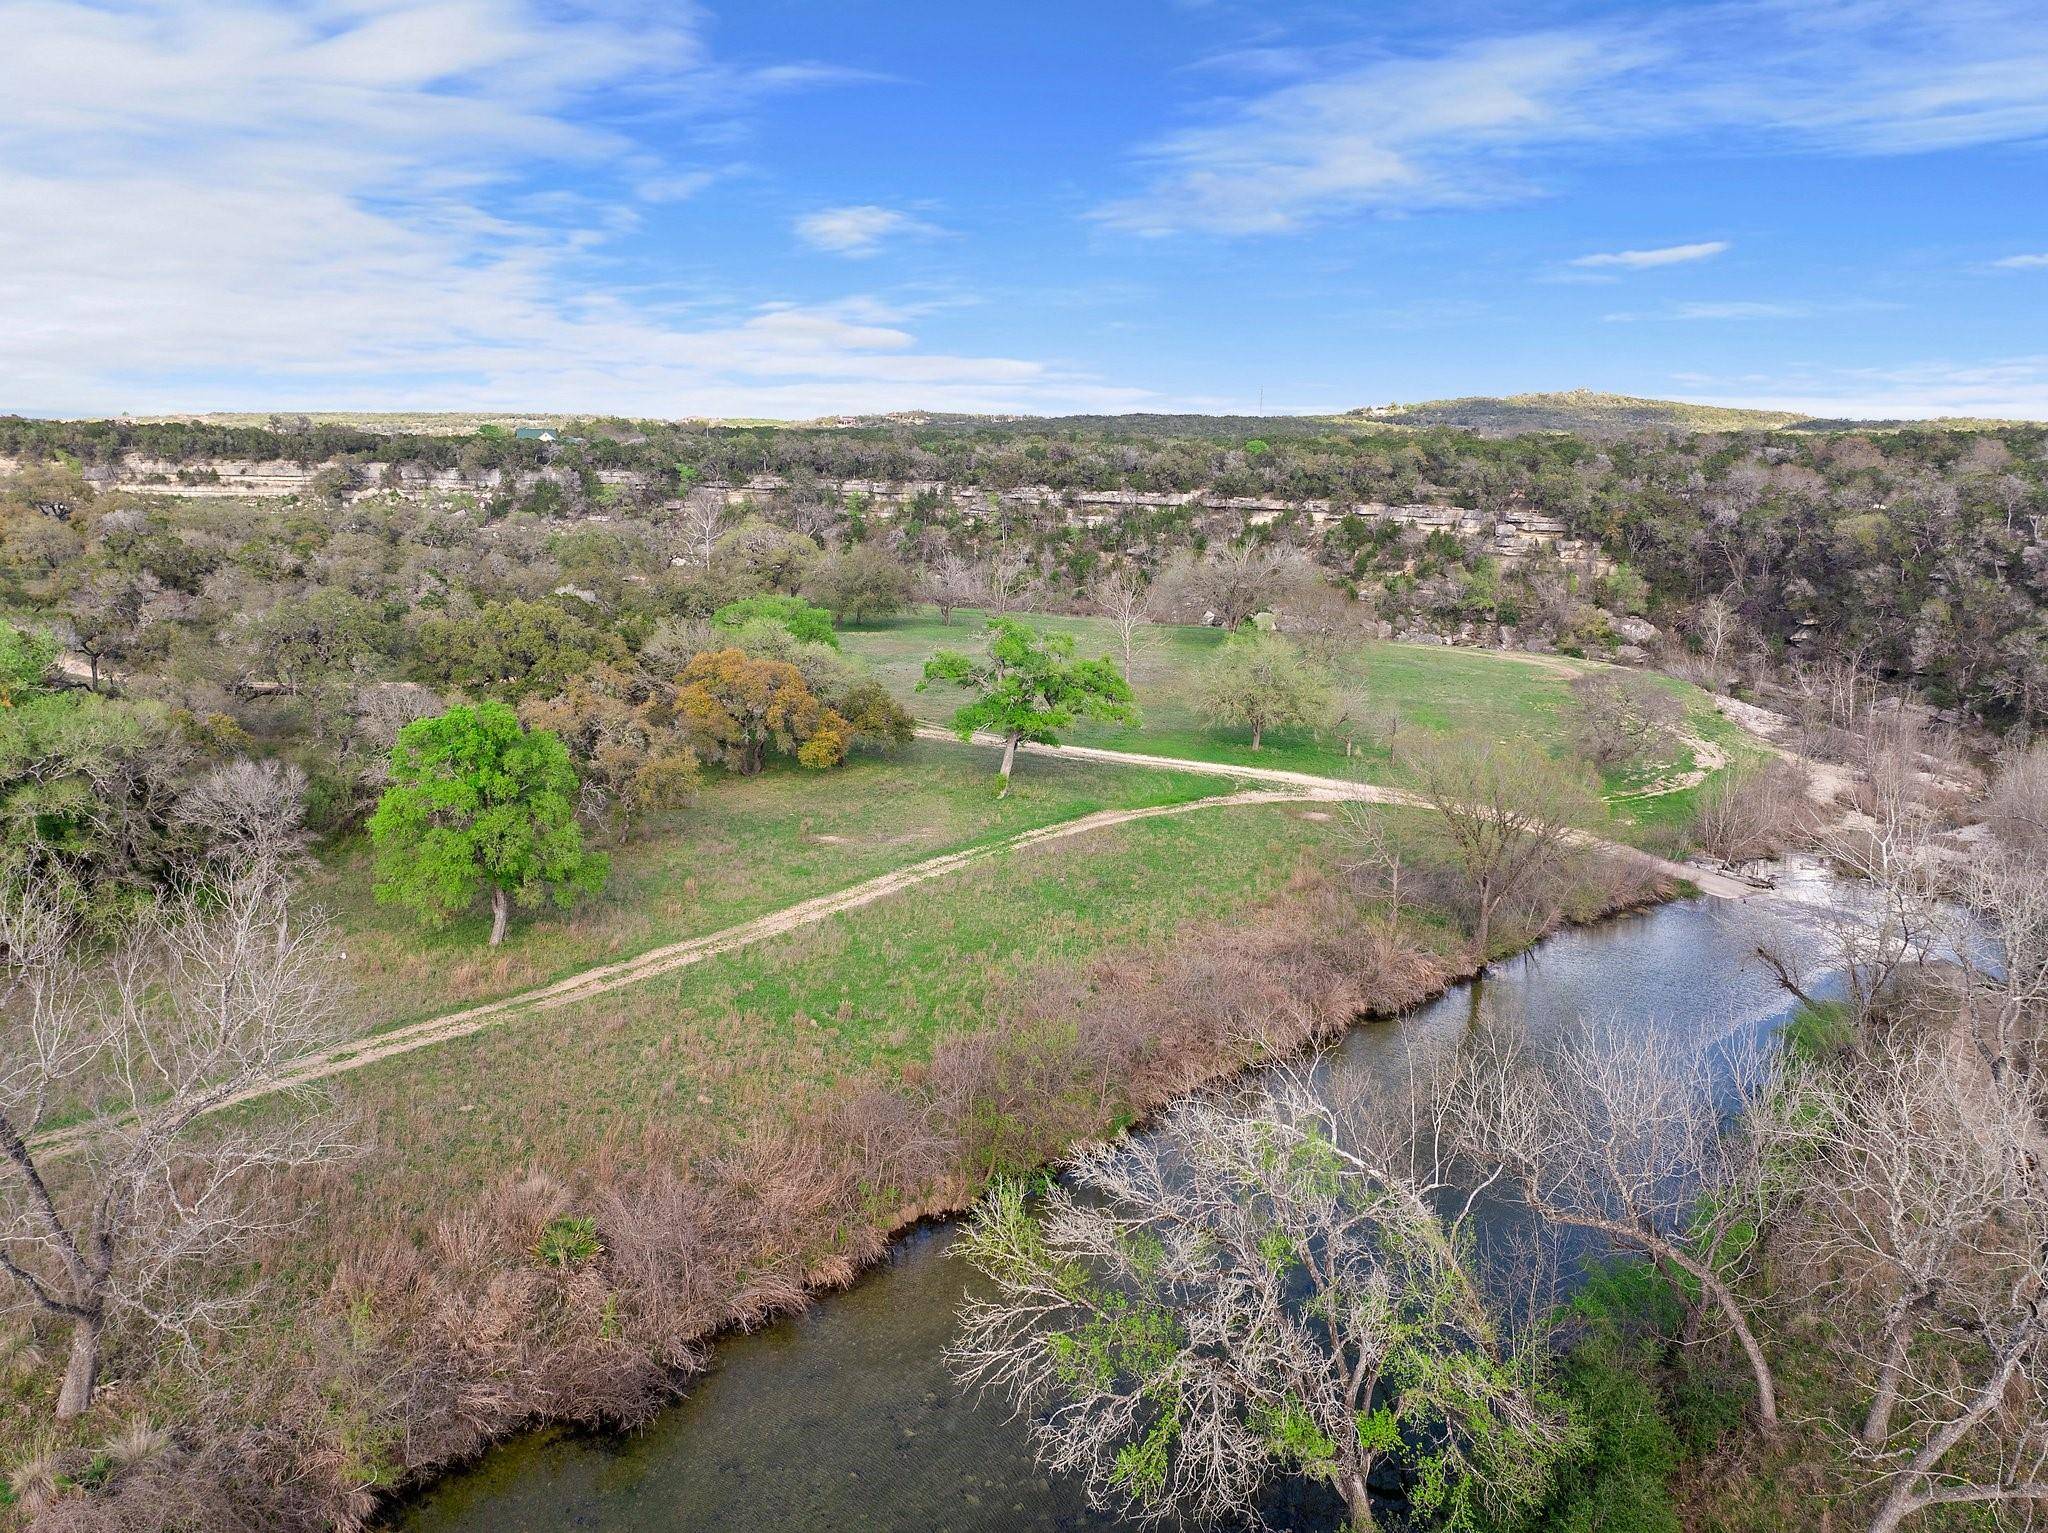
pixel 804 622
pixel 567 1241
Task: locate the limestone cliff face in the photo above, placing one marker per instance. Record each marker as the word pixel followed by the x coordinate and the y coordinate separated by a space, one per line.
pixel 1512 534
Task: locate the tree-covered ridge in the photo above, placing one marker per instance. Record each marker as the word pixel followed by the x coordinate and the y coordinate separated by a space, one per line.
pixel 1918 552
pixel 1579 410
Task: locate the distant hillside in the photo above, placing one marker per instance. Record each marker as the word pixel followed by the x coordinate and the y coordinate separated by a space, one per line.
pixel 384 423
pixel 1576 410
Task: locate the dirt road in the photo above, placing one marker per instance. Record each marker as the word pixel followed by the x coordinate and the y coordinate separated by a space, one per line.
pixel 681 955
pixel 1277 787
pixel 1715 884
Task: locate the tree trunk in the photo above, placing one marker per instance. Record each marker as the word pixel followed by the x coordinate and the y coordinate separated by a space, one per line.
pixel 1766 1382
pixel 81 1373
pixel 1877 1423
pixel 1357 1501
pixel 501 912
pixel 1258 730
pixel 1896 1510
pixel 1908 1497
pixel 1713 1288
pixel 1009 761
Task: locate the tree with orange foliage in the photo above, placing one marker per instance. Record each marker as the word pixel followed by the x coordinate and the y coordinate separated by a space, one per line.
pixel 738 706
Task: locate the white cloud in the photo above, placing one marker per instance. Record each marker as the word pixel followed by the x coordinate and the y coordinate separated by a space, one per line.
pixel 1728 309
pixel 675 186
pixel 2008 388
pixel 1664 255
pixel 857 231
pixel 1484 122
pixel 1395 134
pixel 2022 263
pixel 298 203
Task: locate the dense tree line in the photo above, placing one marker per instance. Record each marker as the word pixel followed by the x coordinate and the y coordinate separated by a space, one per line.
pixel 1917 554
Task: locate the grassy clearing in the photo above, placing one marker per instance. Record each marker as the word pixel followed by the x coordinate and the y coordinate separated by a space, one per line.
pixel 748 845
pixel 739 1038
pixel 1383 690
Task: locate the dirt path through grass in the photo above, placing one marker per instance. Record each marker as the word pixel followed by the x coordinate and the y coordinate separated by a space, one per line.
pixel 680 955
pixel 1282 787
pixel 1718 885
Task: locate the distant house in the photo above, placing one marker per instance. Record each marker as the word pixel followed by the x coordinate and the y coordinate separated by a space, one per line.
pixel 547 434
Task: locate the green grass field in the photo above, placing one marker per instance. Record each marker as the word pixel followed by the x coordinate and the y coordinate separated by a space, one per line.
pixel 753 845
pixel 748 845
pixel 737 1038
pixel 1382 691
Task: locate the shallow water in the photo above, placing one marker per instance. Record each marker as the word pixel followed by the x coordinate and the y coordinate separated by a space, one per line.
pixel 844 1417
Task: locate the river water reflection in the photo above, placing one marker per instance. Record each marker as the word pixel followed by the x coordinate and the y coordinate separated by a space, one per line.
pixel 845 1417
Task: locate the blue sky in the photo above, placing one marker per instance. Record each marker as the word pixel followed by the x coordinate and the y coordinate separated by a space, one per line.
pixel 793 209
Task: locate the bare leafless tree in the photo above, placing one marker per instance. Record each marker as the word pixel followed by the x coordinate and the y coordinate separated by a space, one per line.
pixel 1374 853
pixel 951 581
pixel 1924 1227
pixel 1892 913
pixel 2006 889
pixel 1008 581
pixel 2017 805
pixel 1272 1287
pixel 1754 812
pixel 1623 717
pixel 209 994
pixel 703 517
pixel 1510 814
pixel 251 813
pixel 1230 585
pixel 1618 1130
pixel 1721 634
pixel 1328 624
pixel 1126 601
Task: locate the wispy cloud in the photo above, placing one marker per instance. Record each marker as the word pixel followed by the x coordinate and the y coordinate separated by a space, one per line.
pixel 1723 310
pixel 2022 263
pixel 675 185
pixel 271 203
pixel 1492 120
pixel 858 231
pixel 2006 388
pixel 1664 255
pixel 1392 134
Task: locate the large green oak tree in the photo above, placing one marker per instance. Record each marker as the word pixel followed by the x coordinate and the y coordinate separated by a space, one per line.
pixel 478 804
pixel 1030 686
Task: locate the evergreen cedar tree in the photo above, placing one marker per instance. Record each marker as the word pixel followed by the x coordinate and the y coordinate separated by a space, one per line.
pixel 478 803
pixel 88 783
pixel 1030 688
pixel 513 649
pixel 739 705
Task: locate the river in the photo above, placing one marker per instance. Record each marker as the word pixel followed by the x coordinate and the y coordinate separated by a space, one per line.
pixel 844 1417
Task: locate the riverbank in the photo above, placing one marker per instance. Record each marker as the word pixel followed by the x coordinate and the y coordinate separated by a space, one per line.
pixel 1280 983
pixel 556 1219
pixel 846 1415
